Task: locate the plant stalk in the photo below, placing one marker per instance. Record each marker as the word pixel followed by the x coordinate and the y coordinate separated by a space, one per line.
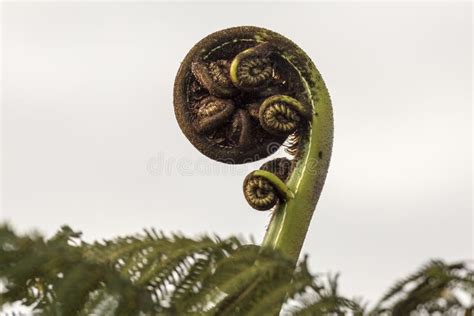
pixel 290 222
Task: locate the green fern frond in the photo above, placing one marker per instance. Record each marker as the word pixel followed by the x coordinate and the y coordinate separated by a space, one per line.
pixel 63 272
pixel 100 303
pixel 55 276
pixel 428 290
pixel 326 300
pixel 154 274
pixel 269 301
pixel 243 283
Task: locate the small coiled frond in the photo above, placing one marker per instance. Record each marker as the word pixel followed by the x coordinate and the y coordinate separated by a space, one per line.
pixel 281 115
pixel 260 193
pixel 253 69
pixel 264 188
pixel 214 77
pixel 212 112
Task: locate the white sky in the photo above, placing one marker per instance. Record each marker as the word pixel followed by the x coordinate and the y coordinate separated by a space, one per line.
pixel 88 128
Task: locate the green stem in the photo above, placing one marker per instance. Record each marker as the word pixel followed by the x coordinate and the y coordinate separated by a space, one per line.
pixel 289 225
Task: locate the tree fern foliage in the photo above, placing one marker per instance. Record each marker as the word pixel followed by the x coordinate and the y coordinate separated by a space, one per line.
pixel 157 274
pixel 437 285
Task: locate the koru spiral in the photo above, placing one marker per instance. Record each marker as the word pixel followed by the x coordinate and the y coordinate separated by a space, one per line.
pixel 237 98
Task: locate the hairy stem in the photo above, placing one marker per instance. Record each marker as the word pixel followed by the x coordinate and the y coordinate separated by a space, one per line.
pixel 289 225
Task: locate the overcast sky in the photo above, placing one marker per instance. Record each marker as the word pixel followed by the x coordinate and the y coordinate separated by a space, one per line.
pixel 89 136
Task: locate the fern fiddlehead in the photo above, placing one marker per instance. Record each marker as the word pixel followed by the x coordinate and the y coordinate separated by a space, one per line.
pixel 281 114
pixel 252 69
pixel 239 94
